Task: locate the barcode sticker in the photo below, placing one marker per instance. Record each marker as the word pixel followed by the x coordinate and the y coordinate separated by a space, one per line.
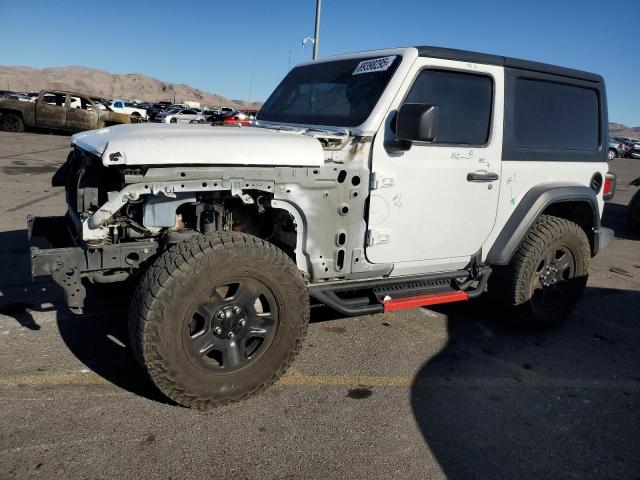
pixel 374 65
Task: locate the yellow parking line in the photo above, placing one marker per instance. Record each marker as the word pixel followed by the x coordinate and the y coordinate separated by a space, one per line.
pixel 292 377
pixel 295 377
pixel 74 378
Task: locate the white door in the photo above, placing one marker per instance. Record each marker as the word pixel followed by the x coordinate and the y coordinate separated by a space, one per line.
pixel 434 204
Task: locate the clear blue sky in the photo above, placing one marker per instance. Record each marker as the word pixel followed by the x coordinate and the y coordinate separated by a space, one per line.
pixel 214 45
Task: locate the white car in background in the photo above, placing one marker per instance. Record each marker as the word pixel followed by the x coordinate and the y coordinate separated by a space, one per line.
pixel 175 115
pixel 120 106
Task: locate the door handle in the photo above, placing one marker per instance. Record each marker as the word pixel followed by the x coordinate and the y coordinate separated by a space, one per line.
pixel 482 176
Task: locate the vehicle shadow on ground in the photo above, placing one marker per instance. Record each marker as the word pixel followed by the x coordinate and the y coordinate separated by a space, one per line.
pixel 19 296
pixel 99 340
pixel 615 217
pixel 502 403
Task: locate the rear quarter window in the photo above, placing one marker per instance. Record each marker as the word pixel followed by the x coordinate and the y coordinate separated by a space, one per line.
pixel 553 117
pixel 557 116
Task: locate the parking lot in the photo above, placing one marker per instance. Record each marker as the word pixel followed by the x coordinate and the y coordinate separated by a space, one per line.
pixel 447 392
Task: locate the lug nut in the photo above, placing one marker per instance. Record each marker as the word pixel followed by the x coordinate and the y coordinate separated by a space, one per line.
pixel 221 314
pixel 242 322
pixel 230 335
pixel 236 310
pixel 217 330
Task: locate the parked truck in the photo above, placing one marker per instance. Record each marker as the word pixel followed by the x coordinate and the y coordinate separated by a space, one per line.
pixel 57 110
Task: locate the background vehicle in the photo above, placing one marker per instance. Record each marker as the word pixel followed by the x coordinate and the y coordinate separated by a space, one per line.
pixel 178 106
pixel 180 116
pixel 616 149
pixel 240 117
pixel 18 97
pixel 625 146
pixel 634 148
pixel 136 114
pixel 57 110
pixel 372 182
pixel 155 109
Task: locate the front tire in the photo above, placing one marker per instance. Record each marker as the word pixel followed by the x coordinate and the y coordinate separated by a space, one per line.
pixel 218 319
pixel 548 273
pixel 12 123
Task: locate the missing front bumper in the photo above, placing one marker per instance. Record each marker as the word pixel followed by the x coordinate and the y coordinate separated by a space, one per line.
pixel 57 252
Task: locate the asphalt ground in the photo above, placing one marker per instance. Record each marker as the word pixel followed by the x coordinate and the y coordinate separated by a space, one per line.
pixel 447 392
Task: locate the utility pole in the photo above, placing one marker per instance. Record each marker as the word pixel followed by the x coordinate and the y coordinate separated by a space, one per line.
pixel 316 34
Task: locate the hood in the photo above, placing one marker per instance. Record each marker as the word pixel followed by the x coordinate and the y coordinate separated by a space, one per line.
pixel 170 144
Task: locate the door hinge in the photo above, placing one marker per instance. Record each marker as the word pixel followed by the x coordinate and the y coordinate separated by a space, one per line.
pixel 379 180
pixel 378 236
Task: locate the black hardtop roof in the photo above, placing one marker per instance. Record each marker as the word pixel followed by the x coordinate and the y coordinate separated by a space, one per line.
pixel 475 57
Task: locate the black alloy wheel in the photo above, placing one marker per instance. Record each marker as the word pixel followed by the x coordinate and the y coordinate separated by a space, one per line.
pixel 230 326
pixel 552 279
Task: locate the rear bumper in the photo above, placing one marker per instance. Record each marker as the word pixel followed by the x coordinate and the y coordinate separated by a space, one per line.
pixel 56 252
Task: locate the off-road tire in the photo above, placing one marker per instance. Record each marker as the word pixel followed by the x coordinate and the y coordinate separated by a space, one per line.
pixel 633 214
pixel 11 123
pixel 512 284
pixel 171 286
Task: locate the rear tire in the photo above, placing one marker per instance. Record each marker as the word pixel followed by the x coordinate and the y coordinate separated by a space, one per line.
pixel 633 214
pixel 548 273
pixel 12 123
pixel 218 319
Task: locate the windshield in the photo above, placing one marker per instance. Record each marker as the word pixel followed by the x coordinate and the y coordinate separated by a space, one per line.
pixel 341 93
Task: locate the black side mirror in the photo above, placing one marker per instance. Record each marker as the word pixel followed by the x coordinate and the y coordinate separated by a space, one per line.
pixel 417 122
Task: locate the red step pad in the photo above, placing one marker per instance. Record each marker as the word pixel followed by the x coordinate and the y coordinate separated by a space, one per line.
pixel 391 304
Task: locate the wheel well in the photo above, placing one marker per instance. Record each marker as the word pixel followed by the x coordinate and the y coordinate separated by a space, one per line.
pixel 5 111
pixel 578 212
pixel 226 213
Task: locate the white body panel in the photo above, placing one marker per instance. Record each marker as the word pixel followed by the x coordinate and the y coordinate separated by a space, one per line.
pixel 436 219
pixel 158 144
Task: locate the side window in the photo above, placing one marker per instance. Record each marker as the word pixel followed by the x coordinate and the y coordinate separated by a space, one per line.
pixel 119 105
pixel 187 112
pixel 464 102
pixel 54 99
pixel 555 116
pixel 86 104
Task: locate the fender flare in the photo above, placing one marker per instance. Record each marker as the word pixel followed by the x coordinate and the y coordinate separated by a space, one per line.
pixel 530 208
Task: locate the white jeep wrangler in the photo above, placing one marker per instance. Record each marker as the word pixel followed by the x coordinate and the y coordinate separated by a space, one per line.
pixel 371 182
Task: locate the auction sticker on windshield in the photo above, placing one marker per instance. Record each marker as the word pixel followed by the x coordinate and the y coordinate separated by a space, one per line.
pixel 374 65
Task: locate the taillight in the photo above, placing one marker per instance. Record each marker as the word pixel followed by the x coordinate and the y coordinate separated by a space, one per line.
pixel 609 189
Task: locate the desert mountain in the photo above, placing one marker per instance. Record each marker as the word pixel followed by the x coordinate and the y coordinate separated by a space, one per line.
pixel 620 130
pixel 108 85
